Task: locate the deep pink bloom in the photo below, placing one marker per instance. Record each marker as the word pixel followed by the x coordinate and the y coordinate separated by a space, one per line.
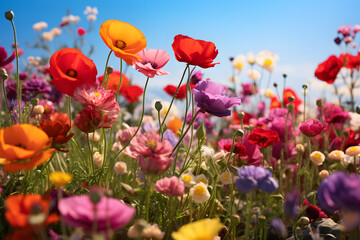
pixel 81 31
pixel 253 153
pixel 151 153
pixel 345 30
pixel 94 95
pixel 311 127
pixel 313 212
pixel 171 187
pixel 152 60
pixel 125 135
pixel 4 59
pixel 79 211
pixel 332 113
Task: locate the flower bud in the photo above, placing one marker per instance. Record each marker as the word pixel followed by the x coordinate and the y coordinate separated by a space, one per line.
pixel 357 109
pixel 158 106
pixel 291 98
pixel 300 148
pixel 304 86
pixel 109 69
pixel 284 75
pixel 94 137
pixel 231 59
pixel 319 103
pixel 3 74
pixel 38 109
pixel 98 159
pixel 201 132
pixel 262 219
pixel 116 147
pixel 34 101
pixel 275 84
pixel 304 221
pixel 239 132
pixel 241 115
pixel 9 15
pixel 120 168
pixel 346 134
pixel 95 197
pixel 324 174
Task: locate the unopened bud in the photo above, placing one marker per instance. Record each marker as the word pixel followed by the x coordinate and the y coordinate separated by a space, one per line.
pixel 346 134
pixel 3 74
pixel 284 75
pixel 324 174
pixel 158 106
pixel 98 159
pixel 304 86
pixel 262 219
pixel 275 85
pixel 319 103
pixel 300 148
pixel 201 132
pixel 120 168
pixel 109 69
pixel 291 98
pixel 34 101
pixel 239 132
pixel 231 59
pixel 357 109
pixel 9 15
pixel 241 114
pixel 304 221
pixel 94 137
pixel 38 109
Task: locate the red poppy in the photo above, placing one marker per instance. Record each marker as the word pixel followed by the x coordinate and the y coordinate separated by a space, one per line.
pixel 288 92
pixel 70 69
pixel 132 93
pixel 194 52
pixel 328 70
pixel 171 89
pixel 313 212
pixel 57 131
pixel 239 148
pixel 350 61
pixel 263 137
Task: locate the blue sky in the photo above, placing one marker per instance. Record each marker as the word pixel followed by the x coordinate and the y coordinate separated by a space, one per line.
pixel 300 32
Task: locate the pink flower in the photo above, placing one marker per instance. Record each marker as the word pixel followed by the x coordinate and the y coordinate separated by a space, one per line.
pixel 152 60
pixel 79 211
pixel 356 28
pixel 125 135
pixel 151 153
pixel 94 95
pixel 348 39
pixel 81 31
pixel 171 187
pixel 311 127
pixel 344 30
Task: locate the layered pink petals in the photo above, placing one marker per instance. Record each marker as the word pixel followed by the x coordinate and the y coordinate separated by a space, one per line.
pixel 152 60
pixel 170 186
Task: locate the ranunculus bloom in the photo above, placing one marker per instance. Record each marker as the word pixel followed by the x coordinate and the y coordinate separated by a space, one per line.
pixel 94 95
pixel 251 177
pixel 152 60
pixel 151 153
pixel 20 208
pixel 210 97
pixel 114 81
pixel 171 187
pixel 132 93
pixel 263 137
pixel 226 145
pixel 79 211
pixel 333 113
pixel 327 71
pixel 57 131
pixel 181 94
pixel 124 39
pixel 311 127
pixel 22 147
pixel 313 212
pixel 70 69
pixel 194 52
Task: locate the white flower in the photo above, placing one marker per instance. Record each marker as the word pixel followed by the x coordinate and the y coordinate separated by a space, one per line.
pixel 89 10
pixel 165 108
pixel 226 178
pixel 336 155
pixel 253 74
pixel 201 178
pixel 48 36
pixel 353 151
pixel 269 93
pixel 199 193
pixel 207 152
pixel 219 155
pixel 38 109
pixel 354 121
pixel 72 18
pixel 317 158
pixel 56 31
pixel 188 179
pixel 98 159
pixel 267 60
pixel 251 58
pixel 91 18
pixel 349 160
pixel 239 63
pixel 120 168
pixel 40 26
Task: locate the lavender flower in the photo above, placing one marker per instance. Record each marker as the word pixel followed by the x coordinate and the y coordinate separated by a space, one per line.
pixel 210 97
pixel 251 177
pixel 35 86
pixel 291 203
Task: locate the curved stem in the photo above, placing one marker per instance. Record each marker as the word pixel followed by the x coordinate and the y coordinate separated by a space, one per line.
pixel 117 91
pixel 232 149
pixel 18 87
pixel 69 110
pixel 5 99
pixel 107 61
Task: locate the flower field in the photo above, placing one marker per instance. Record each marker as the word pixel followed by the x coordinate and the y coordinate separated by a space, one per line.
pixel 85 155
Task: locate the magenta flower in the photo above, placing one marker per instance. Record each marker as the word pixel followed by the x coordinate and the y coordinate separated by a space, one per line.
pixel 210 97
pixel 79 211
pixel 311 127
pixel 332 113
pixel 151 153
pixel 171 187
pixel 152 60
pixel 4 59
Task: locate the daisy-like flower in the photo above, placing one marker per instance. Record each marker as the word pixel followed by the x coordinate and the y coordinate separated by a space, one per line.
pixel 92 94
pixel 251 58
pixel 353 151
pixel 253 74
pixel 40 26
pixel 239 63
pixel 60 179
pixel 226 178
pixel 317 158
pixel 199 193
pixel 267 60
pixel 201 178
pixel 152 60
pixel 336 155
pixel 204 229
pixel 188 179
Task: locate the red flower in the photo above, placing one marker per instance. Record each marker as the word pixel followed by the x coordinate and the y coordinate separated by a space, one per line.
pixel 171 89
pixel 81 31
pixel 58 131
pixel 194 52
pixel 239 148
pixel 237 120
pixel 132 93
pixel 70 69
pixel 263 137
pixel 350 61
pixel 288 92
pixel 328 70
pixel 313 212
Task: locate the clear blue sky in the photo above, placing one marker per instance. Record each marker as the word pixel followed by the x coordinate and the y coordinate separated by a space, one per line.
pixel 300 32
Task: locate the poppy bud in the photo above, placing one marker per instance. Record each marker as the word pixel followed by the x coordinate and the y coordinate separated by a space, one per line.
pixel 109 69
pixel 337 40
pixel 158 106
pixel 3 74
pixel 304 221
pixel 357 109
pixel 201 132
pixel 284 75
pixel 275 85
pixel 98 159
pixel 346 134
pixel 231 59
pixel 241 115
pixel 34 101
pixel 291 98
pixel 304 86
pixel 239 132
pixel 319 103
pixel 9 15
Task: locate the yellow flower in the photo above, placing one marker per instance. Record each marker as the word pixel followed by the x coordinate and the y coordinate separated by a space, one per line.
pixel 205 229
pixel 60 179
pixel 199 193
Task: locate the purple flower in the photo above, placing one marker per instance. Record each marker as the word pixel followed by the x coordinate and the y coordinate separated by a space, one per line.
pixel 251 177
pixel 210 98
pixel 10 89
pixel 340 191
pixel 55 96
pixel 278 228
pixel 170 186
pixel 35 86
pixel 201 117
pixel 311 127
pixel 171 137
pixel 4 59
pixel 291 203
pixel 79 211
pixel 196 77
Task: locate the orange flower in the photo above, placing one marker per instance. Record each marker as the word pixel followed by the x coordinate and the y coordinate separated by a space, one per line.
pixel 174 125
pixel 23 147
pixel 114 81
pixel 124 39
pixel 21 210
pixel 70 69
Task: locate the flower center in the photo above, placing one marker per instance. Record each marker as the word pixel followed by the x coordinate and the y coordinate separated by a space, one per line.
pixel 239 65
pixel 199 190
pixel 353 149
pixel 120 44
pixel 72 73
pixel 187 178
pixel 151 143
pixel 317 155
pixel 226 176
pixel 97 94
pixel 267 62
pixel 203 180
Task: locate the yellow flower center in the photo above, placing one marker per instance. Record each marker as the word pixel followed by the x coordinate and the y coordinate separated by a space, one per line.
pixel 120 44
pixel 71 73
pixel 151 143
pixel 239 65
pixel 317 155
pixel 187 178
pixel 97 94
pixel 203 180
pixel 353 149
pixel 226 176
pixel 267 62
pixel 199 190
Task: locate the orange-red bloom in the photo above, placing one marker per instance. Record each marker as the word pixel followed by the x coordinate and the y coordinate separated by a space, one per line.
pixel 57 131
pixel 23 147
pixel 124 39
pixel 114 81
pixel 70 69
pixel 194 52
pixel 132 93
pixel 181 94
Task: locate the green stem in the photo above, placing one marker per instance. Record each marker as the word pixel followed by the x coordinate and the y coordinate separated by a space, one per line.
pixel 107 61
pixel 232 149
pixel 147 204
pixel 18 87
pixel 118 89
pixel 5 100
pixel 248 216
pixel 69 110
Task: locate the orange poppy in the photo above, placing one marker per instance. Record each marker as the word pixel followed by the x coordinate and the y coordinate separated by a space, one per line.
pixel 23 147
pixel 20 207
pixel 63 118
pixel 124 39
pixel 175 125
pixel 70 69
pixel 114 81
